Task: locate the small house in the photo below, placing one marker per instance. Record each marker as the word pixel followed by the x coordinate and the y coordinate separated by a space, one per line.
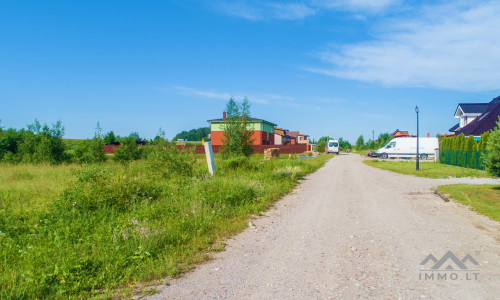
pixel 262 131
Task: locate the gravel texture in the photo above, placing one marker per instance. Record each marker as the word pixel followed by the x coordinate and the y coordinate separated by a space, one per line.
pixel 351 231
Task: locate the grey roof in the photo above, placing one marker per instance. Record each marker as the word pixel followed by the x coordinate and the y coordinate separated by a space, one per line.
pixel 485 122
pixel 473 108
pixel 452 129
pixel 251 120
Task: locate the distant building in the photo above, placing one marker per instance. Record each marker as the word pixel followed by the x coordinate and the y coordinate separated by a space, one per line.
pixel 281 137
pixel 262 131
pixel 302 139
pixel 399 133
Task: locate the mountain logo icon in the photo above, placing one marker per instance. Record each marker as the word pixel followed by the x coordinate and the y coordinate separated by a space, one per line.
pixel 449 262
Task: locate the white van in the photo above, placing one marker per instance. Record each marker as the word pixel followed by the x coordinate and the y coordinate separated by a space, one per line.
pixel 406 147
pixel 333 146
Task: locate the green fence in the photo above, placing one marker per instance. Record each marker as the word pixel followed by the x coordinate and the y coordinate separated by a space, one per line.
pixel 463 158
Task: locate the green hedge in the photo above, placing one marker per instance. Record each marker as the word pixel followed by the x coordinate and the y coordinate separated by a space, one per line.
pixel 472 159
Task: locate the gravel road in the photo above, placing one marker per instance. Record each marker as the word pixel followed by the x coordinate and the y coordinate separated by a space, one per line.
pixel 351 231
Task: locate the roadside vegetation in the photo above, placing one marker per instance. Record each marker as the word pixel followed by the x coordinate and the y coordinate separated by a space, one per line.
pixel 484 199
pixel 427 169
pixel 94 226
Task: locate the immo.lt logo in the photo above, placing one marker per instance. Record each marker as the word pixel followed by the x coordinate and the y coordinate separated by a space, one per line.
pixel 449 267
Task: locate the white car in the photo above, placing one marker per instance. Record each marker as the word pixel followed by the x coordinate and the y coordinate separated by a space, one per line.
pixel 333 146
pixel 406 147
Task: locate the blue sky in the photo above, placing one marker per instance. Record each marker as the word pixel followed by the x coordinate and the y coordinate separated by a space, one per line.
pixel 323 67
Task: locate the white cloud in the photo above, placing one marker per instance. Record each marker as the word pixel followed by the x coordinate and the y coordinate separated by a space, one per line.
pixel 206 94
pixel 259 10
pixel 252 98
pixel 451 47
pixel 368 6
pixel 291 11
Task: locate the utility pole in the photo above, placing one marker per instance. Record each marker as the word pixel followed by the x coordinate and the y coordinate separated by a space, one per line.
pixel 418 154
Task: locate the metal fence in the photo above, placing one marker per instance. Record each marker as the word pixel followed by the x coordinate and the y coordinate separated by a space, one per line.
pixel 463 158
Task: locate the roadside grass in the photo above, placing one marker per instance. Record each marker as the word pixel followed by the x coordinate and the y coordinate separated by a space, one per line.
pixel 427 169
pixel 94 231
pixel 32 187
pixel 485 199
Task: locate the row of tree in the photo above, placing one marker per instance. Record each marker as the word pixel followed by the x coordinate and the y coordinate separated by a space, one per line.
pixel 41 143
pixel 381 141
pixel 460 142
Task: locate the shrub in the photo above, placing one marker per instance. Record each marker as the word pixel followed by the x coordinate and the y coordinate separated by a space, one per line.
pixel 470 143
pixel 166 160
pixel 97 189
pixel 493 151
pixel 42 144
pixel 237 137
pixel 237 163
pixel 321 147
pixel 128 150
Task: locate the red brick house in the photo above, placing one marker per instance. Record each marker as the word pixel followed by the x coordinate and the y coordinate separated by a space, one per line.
pixel 262 131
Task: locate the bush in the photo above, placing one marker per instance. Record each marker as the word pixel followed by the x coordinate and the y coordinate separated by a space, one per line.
pixel 128 150
pixel 321 147
pixel 493 151
pixel 237 163
pixel 97 189
pixel 166 160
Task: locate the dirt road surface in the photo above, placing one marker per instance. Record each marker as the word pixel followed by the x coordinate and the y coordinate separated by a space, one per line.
pixel 351 231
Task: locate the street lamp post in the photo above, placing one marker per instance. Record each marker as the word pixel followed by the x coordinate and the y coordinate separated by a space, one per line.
pixel 418 155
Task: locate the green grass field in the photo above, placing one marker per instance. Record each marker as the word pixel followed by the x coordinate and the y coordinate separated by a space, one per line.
pixel 485 199
pixel 427 169
pixel 95 231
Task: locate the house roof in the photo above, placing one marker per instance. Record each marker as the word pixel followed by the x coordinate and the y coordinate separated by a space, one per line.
pixel 485 122
pixel 280 131
pixel 472 108
pixel 293 134
pixel 303 134
pixel 400 132
pixel 454 128
pixel 250 119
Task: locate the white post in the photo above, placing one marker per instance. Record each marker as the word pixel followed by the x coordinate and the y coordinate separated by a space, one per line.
pixel 436 155
pixel 210 157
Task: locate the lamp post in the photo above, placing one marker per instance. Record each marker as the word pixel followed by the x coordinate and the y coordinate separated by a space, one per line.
pixel 418 155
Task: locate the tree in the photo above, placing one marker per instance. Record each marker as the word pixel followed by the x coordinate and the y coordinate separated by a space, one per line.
pixel 321 147
pixel 109 138
pixel 194 134
pixel 360 142
pixel 492 159
pixel 128 149
pixel 383 139
pixel 470 143
pixel 237 137
pixel 483 141
pixel 40 143
pixel 460 142
pixel 343 145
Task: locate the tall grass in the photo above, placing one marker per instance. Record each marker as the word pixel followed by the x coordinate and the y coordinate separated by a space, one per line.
pixel 89 230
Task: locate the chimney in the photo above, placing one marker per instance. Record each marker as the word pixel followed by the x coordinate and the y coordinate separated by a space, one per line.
pixel 428 134
pixel 223 115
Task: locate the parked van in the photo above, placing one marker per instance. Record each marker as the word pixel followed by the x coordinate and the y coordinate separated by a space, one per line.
pixel 333 146
pixel 406 147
